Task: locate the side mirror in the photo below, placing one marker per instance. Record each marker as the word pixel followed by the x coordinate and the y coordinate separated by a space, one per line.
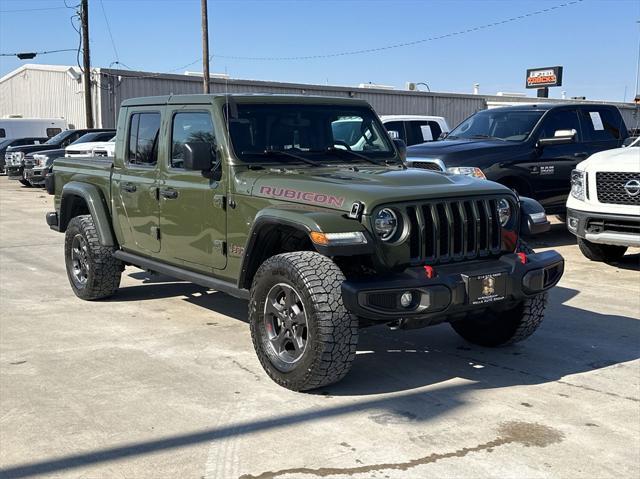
pixel 443 135
pixel 629 140
pixel 198 156
pixel 393 134
pixel 560 137
pixel 401 146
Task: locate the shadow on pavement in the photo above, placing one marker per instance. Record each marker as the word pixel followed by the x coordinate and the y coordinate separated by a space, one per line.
pixel 570 341
pixel 558 235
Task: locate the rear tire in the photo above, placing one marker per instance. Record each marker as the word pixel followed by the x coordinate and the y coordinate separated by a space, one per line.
pixel 501 328
pixel 92 270
pixel 302 333
pixel 601 252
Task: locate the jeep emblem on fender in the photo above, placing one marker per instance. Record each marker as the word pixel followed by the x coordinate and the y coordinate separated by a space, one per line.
pixel 632 187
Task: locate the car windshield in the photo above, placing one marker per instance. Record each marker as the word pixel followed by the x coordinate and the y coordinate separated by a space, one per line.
pixel 5 143
pixel 91 137
pixel 307 133
pixel 511 125
pixel 59 138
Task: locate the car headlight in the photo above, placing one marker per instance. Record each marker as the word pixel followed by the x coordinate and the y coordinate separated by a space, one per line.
pixel 40 160
pixel 387 224
pixel 578 184
pixel 467 171
pixel 504 211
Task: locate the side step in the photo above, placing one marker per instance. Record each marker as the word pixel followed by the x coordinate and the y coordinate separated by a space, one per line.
pixel 182 274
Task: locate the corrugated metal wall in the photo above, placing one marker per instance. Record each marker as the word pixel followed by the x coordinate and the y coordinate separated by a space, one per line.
pixel 40 93
pixel 118 85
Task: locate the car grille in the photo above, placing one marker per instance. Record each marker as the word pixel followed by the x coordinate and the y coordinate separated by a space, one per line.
pixel 453 230
pixel 611 190
pixel 426 165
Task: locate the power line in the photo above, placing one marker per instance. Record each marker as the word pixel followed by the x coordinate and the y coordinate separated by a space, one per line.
pixel 113 43
pixel 31 9
pixel 406 44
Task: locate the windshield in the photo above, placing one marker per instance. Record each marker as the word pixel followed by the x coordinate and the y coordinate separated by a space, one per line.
pixel 59 138
pixel 512 125
pixel 92 137
pixel 307 133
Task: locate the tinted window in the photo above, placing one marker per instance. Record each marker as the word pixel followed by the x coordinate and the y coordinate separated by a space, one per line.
pixel 190 127
pixel 560 120
pixel 397 126
pixel 51 132
pixel 96 136
pixel 421 131
pixel 59 137
pixel 509 125
pixel 602 125
pixel 3 134
pixel 143 138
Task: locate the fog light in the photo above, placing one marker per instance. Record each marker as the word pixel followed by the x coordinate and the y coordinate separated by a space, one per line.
pixel 406 299
pixel 572 223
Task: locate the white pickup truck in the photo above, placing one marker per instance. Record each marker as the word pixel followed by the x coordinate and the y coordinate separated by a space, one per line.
pixel 603 209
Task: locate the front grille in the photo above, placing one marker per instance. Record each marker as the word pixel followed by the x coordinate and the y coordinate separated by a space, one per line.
pixel 426 165
pixel 454 230
pixel 613 226
pixel 611 190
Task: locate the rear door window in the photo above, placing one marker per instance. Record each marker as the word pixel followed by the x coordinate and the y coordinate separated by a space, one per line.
pixel 3 133
pixel 421 131
pixel 601 124
pixel 51 132
pixel 143 138
pixel 560 120
pixel 397 126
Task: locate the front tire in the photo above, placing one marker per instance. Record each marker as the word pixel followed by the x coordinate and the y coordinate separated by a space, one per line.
pixel 601 252
pixel 24 182
pixel 302 333
pixel 501 328
pixel 92 270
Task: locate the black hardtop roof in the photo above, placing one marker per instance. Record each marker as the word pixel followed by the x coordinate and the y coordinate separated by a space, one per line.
pixel 551 106
pixel 240 98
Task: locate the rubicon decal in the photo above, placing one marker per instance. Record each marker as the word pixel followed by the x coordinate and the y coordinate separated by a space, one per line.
pixel 309 196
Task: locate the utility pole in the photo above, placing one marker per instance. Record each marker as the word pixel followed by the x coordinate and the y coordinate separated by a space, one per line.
pixel 205 47
pixel 86 62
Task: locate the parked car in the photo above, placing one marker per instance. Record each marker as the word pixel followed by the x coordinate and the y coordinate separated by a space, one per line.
pixel 91 147
pixel 415 129
pixel 529 148
pixel 253 195
pixel 39 164
pixel 7 142
pixel 603 210
pixel 31 127
pixel 16 157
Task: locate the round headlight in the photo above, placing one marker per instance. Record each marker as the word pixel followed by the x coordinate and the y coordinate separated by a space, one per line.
pixel 386 224
pixel 504 211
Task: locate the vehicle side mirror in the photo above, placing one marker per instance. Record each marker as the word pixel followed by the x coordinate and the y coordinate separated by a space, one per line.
pixel 393 134
pixel 401 146
pixel 443 135
pixel 560 137
pixel 629 140
pixel 198 156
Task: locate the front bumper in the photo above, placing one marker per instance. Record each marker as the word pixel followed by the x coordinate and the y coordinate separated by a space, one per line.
pixel 446 293
pixel 14 172
pixel 603 228
pixel 35 176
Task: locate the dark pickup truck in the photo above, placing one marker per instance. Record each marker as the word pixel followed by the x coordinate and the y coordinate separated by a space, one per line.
pixel 16 157
pixel 531 149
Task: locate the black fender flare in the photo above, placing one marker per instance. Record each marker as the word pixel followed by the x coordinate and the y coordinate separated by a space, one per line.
pixel 533 218
pixel 96 204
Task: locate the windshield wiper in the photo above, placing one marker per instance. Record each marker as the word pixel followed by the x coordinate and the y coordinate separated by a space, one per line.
pixel 282 153
pixel 486 137
pixel 333 149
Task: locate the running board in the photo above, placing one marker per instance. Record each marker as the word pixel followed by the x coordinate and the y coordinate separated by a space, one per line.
pixel 182 274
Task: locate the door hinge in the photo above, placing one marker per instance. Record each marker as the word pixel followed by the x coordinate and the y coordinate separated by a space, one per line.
pixel 219 201
pixel 155 232
pixel 220 246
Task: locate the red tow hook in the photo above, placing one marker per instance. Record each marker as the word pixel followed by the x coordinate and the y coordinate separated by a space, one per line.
pixel 429 272
pixel 523 257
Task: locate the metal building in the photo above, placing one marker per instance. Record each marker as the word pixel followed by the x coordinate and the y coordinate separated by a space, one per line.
pixel 57 91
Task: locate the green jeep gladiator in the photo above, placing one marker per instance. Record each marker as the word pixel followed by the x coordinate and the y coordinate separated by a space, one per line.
pixel 320 226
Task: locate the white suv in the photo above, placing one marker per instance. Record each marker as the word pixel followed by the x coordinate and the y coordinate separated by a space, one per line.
pixel 603 209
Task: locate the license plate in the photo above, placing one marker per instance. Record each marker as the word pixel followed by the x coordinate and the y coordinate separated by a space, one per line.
pixel 486 288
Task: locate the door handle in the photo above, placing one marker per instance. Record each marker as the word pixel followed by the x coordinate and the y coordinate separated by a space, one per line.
pixel 582 154
pixel 128 187
pixel 169 194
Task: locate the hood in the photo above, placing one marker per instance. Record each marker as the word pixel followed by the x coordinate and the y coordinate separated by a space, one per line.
pixel 618 159
pixel 26 149
pixel 90 146
pixel 338 188
pixel 456 152
pixel 50 153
